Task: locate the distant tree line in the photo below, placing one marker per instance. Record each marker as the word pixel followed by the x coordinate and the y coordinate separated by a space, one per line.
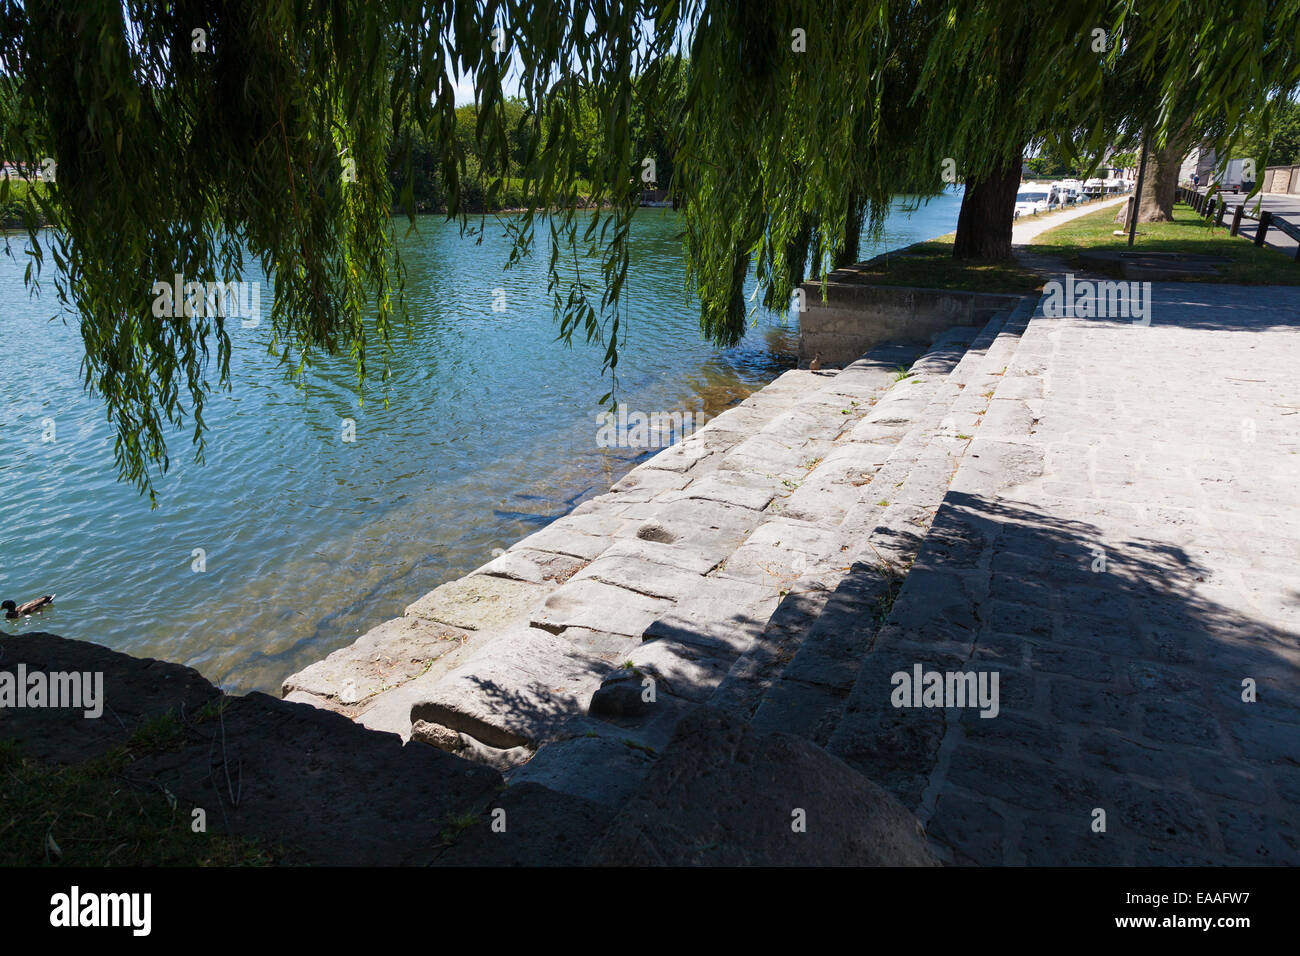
pixel 654 129
pixel 1281 144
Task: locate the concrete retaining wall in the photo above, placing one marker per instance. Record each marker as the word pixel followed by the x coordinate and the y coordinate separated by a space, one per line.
pixel 1282 179
pixel 857 316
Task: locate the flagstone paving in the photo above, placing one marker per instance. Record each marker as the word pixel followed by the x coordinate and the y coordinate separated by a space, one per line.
pixel 1121 545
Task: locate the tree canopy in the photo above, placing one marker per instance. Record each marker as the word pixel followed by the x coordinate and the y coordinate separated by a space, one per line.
pixel 206 138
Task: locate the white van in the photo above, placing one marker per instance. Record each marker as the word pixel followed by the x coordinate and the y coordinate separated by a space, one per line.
pixel 1234 176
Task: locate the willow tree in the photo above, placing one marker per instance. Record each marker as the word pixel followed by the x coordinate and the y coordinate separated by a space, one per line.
pixel 1260 41
pixel 1000 77
pixel 1082 76
pixel 1243 61
pixel 204 139
pixel 208 138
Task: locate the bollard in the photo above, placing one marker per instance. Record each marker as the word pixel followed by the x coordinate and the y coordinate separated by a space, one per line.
pixel 1265 218
pixel 1236 219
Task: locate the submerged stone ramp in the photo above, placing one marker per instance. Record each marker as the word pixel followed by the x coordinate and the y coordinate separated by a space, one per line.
pixel 696 574
pixel 496 659
pixel 442 629
pixel 1121 547
pixel 688 536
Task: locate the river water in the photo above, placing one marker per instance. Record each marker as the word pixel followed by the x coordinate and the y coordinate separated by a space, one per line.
pixel 309 540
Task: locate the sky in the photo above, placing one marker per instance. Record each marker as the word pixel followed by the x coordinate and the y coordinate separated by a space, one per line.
pixel 511 86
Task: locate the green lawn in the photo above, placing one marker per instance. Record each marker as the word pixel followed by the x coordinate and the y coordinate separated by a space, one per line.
pixel 17 188
pixel 930 265
pixel 1188 233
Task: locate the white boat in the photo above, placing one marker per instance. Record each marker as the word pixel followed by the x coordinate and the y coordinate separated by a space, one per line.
pixel 1094 189
pixel 1032 198
pixel 1059 195
pixel 1072 188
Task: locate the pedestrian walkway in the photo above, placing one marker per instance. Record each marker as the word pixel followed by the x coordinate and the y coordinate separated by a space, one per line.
pixel 1121 546
pixel 1027 230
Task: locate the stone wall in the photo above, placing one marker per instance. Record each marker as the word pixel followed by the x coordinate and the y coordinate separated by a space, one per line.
pixel 857 316
pixel 1282 179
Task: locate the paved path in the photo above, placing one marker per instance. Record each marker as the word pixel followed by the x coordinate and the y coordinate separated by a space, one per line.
pixel 1122 546
pixel 1026 230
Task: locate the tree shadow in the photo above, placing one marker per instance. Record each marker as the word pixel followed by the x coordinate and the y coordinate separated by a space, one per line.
pixel 1194 305
pixel 1121 664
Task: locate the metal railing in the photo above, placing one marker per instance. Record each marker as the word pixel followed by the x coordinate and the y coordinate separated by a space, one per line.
pixel 1215 206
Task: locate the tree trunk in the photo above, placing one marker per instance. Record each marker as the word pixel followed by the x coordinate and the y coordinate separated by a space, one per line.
pixel 1156 204
pixel 984 223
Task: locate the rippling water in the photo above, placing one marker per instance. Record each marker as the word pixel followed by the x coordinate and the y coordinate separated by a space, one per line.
pixel 309 540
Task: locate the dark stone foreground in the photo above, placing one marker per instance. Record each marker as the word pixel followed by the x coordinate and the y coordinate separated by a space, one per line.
pixel 328 791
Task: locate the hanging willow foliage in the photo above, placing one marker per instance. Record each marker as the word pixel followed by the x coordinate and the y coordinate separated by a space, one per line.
pixel 178 153
pixel 205 138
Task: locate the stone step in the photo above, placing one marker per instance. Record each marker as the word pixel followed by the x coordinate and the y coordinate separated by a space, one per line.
pixel 691 649
pixel 901 423
pixel 596 578
pixel 442 630
pixel 801 680
pixel 865 729
pixel 664 552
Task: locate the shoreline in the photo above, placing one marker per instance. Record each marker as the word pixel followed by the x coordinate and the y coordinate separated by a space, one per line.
pixel 574 487
pixel 290 687
pixel 772 578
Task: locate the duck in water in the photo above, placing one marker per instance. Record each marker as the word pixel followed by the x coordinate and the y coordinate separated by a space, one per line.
pixel 13 610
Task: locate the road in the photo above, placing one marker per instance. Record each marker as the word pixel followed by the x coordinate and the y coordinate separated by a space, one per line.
pixel 1286 205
